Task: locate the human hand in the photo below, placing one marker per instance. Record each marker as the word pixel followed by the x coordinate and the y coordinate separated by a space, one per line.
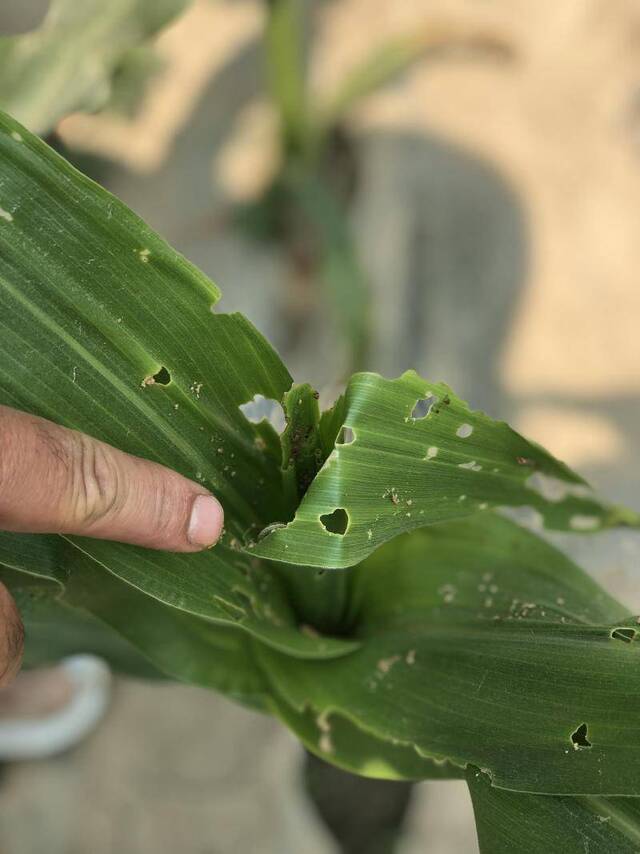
pixel 55 480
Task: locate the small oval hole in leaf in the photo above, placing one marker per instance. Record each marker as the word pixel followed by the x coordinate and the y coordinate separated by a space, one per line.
pixel 346 436
pixel 423 406
pixel 336 522
pixel 579 738
pixel 624 634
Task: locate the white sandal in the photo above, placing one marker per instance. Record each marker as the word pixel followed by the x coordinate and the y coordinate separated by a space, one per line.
pixel 48 731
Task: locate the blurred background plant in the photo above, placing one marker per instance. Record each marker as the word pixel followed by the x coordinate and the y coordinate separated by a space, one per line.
pixel 339 161
pixel 304 206
pixel 93 57
pixel 82 56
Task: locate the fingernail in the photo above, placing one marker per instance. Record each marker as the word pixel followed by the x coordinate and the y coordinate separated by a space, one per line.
pixel 206 521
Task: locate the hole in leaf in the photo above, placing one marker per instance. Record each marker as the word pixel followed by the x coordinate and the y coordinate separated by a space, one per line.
pixel 345 436
pixel 336 522
pixel 423 407
pixel 579 737
pixel 163 376
pixel 261 408
pixel 623 634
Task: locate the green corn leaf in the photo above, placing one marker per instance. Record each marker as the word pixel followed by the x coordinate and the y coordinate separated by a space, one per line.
pixel 181 646
pixel 54 630
pixel 510 822
pixel 227 590
pixel 86 356
pixel 93 611
pixel 108 330
pixel 416 454
pixel 483 645
pixel 411 665
pixel 37 555
pixel 68 63
pixel 343 743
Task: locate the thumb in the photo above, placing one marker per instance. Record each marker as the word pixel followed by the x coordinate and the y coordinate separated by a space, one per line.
pixel 11 638
pixel 54 480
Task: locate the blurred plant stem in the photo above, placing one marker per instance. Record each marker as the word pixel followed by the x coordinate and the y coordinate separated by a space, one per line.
pixel 305 207
pixel 364 816
pixel 339 267
pixel 286 72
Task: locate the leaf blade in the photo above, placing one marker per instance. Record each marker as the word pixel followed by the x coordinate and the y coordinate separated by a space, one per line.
pixel 402 472
pixel 503 684
pixel 510 821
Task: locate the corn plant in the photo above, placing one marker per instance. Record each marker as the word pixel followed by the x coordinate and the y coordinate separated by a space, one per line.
pixel 369 590
pixel 304 209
